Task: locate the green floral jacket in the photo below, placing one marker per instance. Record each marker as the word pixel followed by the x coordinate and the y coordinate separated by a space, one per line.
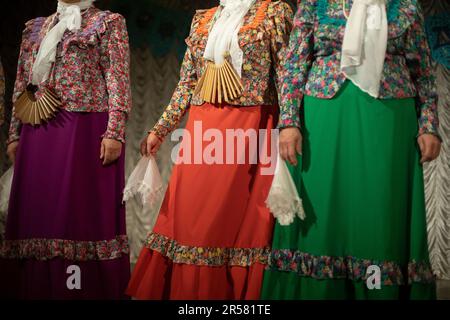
pixel 314 55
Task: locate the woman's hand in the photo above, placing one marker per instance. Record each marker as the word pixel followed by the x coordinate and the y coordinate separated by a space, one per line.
pixel 150 145
pixel 110 151
pixel 430 147
pixel 290 144
pixel 12 150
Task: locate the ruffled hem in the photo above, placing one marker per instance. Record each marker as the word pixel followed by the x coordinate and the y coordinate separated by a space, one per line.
pixel 206 256
pixel 156 277
pixel 352 268
pixel 46 249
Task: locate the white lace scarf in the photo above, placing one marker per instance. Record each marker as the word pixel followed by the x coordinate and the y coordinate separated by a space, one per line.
pixel 69 19
pixel 365 43
pixel 223 38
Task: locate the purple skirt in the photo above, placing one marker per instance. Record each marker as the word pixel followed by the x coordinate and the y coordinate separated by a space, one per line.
pixel 65 210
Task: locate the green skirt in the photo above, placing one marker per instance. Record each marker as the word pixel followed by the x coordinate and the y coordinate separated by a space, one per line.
pixel 362 188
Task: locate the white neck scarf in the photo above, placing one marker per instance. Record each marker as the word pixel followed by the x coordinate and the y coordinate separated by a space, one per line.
pixel 223 38
pixel 364 45
pixel 69 19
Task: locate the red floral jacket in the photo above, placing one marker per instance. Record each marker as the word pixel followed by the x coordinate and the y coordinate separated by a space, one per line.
pixel 91 72
pixel 263 38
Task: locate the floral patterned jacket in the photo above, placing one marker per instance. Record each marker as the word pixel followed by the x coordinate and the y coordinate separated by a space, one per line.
pixel 91 72
pixel 264 37
pixel 313 60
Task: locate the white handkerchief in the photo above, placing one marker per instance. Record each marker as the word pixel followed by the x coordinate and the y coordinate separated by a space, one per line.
pixel 284 201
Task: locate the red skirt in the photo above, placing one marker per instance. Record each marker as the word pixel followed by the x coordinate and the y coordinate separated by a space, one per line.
pixel 213 234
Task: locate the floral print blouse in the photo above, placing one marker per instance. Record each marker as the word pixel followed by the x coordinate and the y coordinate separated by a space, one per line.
pixel 264 37
pixel 314 55
pixel 91 72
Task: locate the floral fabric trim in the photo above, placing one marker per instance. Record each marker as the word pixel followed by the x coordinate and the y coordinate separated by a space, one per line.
pixel 203 256
pixel 326 267
pixel 46 249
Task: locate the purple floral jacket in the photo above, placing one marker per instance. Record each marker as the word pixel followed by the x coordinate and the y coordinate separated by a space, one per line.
pixel 313 59
pixel 264 38
pixel 91 72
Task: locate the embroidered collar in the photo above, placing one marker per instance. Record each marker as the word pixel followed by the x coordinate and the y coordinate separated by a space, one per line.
pixel 393 7
pixel 208 19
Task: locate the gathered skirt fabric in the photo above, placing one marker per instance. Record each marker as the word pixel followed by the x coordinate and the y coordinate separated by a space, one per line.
pixel 363 193
pixel 65 210
pixel 212 236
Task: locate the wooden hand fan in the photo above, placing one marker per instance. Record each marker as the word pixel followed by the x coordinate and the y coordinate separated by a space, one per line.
pixel 219 83
pixel 34 111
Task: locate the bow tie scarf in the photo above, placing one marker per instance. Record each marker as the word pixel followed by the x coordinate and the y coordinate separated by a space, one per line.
pixel 364 45
pixel 221 80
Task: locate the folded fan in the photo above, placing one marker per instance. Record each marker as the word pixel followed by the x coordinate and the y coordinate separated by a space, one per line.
pixel 34 111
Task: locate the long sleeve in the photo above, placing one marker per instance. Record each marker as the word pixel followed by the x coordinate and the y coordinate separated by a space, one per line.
pixel 115 63
pixel 418 58
pixel 181 98
pixel 21 83
pixel 281 16
pixel 299 59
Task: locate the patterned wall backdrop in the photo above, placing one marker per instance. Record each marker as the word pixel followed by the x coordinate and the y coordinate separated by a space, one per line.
pixel 437 174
